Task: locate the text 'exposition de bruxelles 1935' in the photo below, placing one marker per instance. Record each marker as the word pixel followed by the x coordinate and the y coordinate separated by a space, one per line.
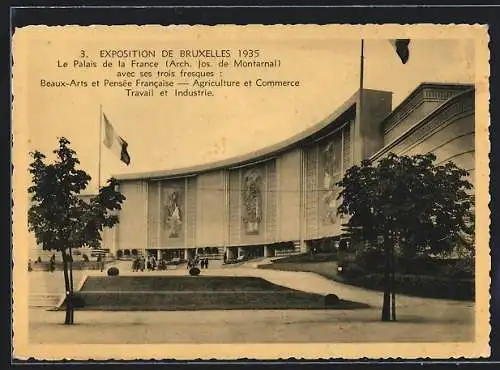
pixel 181 53
pixel 244 57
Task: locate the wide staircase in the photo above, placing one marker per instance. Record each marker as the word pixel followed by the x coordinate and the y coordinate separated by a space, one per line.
pixel 46 289
pixel 190 293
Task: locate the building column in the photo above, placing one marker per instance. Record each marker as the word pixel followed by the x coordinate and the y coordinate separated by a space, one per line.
pixel 158 254
pixel 302 246
pixel 186 254
pixel 268 251
pixel 229 253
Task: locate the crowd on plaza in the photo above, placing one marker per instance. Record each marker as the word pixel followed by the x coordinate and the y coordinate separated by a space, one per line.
pixel 141 264
pixel 51 265
pixel 151 263
pixel 197 261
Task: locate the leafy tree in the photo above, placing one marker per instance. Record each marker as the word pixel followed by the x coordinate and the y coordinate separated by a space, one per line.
pixel 60 219
pixel 408 202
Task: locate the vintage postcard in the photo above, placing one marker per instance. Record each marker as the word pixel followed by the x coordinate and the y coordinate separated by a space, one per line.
pixel 259 192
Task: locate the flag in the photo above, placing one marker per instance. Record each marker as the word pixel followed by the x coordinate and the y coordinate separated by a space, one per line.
pixel 402 49
pixel 115 142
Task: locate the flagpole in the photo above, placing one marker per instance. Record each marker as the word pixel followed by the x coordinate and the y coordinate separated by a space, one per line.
pixel 361 73
pixel 360 98
pixel 100 139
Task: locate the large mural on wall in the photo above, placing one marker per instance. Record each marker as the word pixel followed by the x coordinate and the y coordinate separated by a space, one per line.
pixel 172 209
pixel 252 201
pixel 330 174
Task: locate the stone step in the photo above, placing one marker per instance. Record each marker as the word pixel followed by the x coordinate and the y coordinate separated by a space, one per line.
pixel 44 300
pixel 199 300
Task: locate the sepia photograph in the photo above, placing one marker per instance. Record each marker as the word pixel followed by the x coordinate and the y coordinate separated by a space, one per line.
pixel 254 191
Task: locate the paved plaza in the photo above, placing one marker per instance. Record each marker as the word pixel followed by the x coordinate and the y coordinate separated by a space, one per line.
pixel 419 319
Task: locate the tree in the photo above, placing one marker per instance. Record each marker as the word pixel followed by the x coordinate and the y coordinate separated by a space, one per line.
pixel 406 201
pixel 59 218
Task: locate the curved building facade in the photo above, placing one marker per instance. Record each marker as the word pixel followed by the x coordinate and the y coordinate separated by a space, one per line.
pixel 282 199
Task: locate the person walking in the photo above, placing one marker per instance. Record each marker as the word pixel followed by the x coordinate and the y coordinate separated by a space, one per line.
pixel 52 263
pixel 151 263
pixel 206 263
pixel 101 262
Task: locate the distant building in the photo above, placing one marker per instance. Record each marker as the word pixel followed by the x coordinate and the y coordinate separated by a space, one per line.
pixel 282 199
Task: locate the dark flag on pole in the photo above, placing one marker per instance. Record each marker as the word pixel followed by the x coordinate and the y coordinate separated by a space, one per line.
pixel 402 49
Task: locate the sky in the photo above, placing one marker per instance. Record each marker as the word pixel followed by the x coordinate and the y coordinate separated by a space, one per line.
pixel 171 132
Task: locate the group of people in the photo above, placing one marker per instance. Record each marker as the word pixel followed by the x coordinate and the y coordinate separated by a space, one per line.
pixel 51 266
pixel 141 264
pixel 202 262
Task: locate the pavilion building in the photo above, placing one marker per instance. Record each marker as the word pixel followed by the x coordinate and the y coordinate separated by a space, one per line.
pixel 282 199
